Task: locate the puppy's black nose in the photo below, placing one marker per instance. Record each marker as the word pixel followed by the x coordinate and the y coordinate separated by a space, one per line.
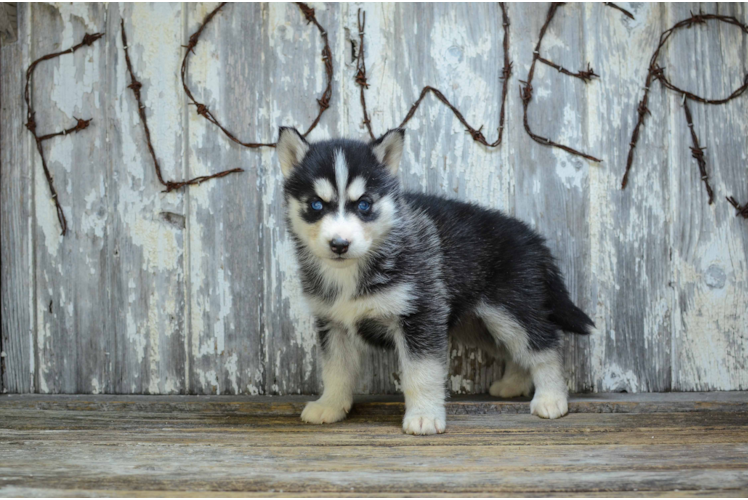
pixel 339 245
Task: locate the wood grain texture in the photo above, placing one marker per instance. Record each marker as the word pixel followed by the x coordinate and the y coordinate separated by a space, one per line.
pixel 710 246
pixel 8 22
pixel 289 406
pixel 196 291
pixel 147 272
pixel 225 340
pixel 630 257
pixel 250 332
pixel 161 450
pixel 557 111
pixel 16 183
pixel 73 326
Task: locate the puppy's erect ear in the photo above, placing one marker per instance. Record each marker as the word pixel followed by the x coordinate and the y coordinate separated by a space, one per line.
pixel 389 149
pixel 291 149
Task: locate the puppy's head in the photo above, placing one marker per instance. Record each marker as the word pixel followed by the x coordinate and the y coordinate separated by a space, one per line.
pixel 340 194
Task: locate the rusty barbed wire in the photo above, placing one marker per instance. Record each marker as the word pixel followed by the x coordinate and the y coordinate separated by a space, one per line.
pixel 135 86
pixel 741 210
pixel 81 124
pixel 526 90
pixel 657 73
pixel 698 152
pixel 361 71
pixel 584 75
pixel 202 109
pixel 476 134
pixel 628 14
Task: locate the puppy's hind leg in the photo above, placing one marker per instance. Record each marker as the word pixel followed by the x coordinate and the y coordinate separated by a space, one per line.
pixel 544 365
pixel 341 357
pixel 551 394
pixel 515 382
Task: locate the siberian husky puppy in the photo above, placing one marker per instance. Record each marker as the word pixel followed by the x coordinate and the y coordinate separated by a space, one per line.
pixel 405 271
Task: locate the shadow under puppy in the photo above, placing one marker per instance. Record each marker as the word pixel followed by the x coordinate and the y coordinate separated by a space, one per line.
pixel 405 271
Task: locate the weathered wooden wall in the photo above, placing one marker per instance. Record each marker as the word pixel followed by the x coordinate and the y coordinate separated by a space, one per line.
pixel 196 291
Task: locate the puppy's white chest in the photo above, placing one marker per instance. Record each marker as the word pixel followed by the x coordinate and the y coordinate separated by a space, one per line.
pixel 388 303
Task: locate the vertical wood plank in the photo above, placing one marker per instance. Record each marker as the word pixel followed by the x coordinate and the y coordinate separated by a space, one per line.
pixel 16 237
pixel 294 80
pixel 72 300
pixel 710 245
pixel 250 329
pixel 147 225
pixel 630 239
pixel 552 186
pixel 225 216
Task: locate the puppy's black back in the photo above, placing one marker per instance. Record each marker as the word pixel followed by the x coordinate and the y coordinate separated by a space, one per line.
pixel 492 258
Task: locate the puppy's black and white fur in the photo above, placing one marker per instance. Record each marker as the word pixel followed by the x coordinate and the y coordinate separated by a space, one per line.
pixel 384 267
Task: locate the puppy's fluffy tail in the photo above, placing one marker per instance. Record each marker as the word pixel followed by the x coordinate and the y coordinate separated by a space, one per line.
pixel 564 313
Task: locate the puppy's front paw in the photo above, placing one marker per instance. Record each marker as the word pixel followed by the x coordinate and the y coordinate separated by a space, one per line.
pixel 422 424
pixel 549 405
pixel 317 412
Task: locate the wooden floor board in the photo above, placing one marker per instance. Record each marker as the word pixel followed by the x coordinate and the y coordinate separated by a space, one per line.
pixel 124 446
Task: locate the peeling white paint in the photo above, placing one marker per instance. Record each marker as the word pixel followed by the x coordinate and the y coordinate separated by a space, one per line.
pixel 135 337
pixel 224 297
pixel 617 379
pixel 233 372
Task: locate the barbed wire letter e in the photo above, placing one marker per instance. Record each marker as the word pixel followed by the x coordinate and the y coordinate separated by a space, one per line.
pixel 525 90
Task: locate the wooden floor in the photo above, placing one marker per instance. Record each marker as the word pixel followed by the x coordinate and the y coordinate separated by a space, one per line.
pixel 654 445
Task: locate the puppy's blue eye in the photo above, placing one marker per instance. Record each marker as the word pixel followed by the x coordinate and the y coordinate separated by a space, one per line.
pixel 364 206
pixel 316 205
